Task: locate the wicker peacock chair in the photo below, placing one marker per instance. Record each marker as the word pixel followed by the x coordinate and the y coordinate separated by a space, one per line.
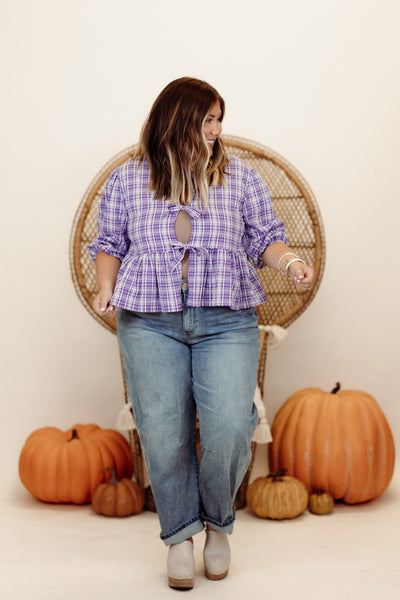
pixel 294 203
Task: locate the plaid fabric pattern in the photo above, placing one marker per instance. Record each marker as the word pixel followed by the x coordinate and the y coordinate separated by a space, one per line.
pixel 238 224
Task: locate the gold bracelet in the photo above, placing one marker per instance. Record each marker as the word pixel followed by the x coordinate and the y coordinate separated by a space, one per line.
pixel 290 262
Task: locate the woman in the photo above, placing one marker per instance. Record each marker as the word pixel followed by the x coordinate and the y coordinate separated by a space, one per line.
pixel 177 226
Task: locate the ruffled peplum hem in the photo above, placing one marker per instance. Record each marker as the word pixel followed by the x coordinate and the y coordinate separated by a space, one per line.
pixel 151 282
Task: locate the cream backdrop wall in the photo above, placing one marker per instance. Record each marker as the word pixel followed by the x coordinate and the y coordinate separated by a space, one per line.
pixel 316 81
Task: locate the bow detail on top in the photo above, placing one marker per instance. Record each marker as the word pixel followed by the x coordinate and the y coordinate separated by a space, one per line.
pixel 189 208
pixel 179 250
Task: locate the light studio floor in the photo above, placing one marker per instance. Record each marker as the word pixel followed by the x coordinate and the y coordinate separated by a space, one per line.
pixel 67 552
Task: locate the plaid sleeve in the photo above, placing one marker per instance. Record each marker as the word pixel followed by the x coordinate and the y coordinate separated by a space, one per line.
pixel 262 227
pixel 112 236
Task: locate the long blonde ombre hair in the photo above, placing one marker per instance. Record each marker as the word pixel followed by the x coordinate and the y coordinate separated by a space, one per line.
pixel 173 142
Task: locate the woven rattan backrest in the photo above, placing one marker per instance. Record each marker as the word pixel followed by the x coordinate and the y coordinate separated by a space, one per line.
pixel 293 202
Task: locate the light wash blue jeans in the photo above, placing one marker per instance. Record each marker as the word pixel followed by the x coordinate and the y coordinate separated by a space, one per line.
pixel 202 359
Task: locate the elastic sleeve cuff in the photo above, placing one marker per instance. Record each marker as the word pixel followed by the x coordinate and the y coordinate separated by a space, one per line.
pixel 256 250
pixel 95 248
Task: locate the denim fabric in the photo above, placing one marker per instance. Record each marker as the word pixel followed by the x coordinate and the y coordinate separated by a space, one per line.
pixel 202 359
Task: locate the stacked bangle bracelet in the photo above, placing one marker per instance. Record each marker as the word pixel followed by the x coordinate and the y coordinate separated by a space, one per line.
pixel 283 256
pixel 290 262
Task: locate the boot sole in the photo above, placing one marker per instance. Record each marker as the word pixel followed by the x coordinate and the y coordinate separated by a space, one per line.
pixel 181 583
pixel 216 576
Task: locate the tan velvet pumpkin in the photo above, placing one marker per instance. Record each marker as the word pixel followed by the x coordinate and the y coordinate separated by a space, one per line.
pixel 321 503
pixel 277 496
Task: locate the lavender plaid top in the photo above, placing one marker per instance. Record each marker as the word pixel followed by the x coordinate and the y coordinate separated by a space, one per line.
pixel 238 224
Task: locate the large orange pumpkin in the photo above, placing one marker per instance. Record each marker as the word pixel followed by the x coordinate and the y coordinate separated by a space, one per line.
pixel 66 467
pixel 338 442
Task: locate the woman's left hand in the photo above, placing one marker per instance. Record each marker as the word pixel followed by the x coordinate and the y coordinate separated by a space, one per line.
pixel 302 276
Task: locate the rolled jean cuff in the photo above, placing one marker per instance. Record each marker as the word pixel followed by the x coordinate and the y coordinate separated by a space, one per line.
pixel 226 527
pixel 183 534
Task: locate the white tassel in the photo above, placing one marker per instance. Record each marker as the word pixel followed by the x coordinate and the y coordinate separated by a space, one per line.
pixel 277 334
pixel 262 433
pixel 125 420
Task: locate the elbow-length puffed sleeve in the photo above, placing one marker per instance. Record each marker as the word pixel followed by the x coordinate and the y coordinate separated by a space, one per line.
pixel 262 227
pixel 112 236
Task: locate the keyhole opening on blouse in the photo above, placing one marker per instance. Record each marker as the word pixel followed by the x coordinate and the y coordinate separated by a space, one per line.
pixel 183 231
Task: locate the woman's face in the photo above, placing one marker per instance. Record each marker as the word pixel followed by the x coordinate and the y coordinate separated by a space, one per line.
pixel 212 127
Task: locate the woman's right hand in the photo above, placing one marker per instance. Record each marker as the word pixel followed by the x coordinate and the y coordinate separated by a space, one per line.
pixel 101 304
pixel 107 268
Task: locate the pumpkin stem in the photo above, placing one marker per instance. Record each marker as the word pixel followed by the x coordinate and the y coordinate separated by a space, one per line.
pixel 336 388
pixel 113 479
pixel 74 435
pixel 277 475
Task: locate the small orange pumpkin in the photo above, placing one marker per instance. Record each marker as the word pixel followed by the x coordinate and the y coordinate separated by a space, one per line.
pixel 339 442
pixel 66 467
pixel 277 496
pixel 118 498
